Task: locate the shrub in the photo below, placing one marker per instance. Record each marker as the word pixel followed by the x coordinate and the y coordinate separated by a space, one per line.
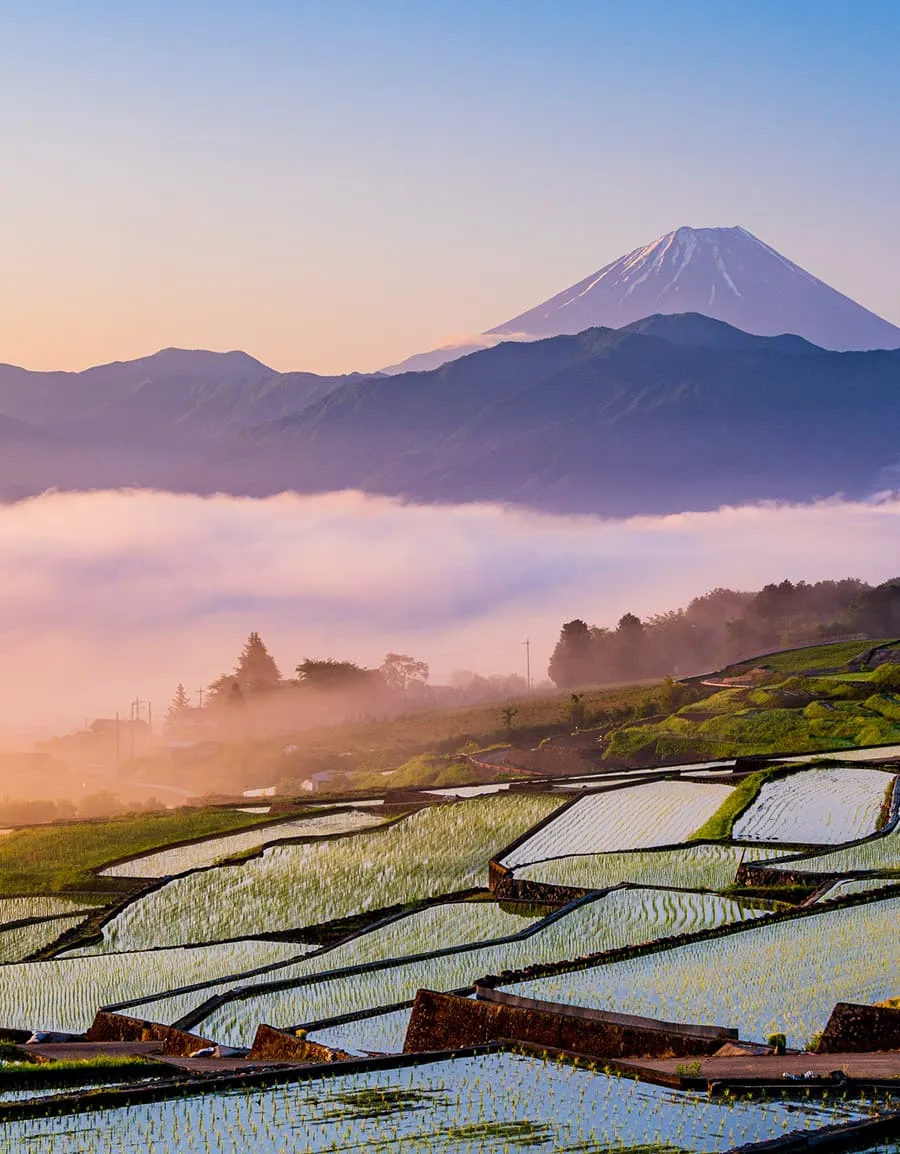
pixel 629 742
pixel 887 706
pixel 886 677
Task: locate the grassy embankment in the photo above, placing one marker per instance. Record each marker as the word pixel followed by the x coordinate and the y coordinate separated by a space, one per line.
pixel 791 716
pixel 60 858
pixel 22 1074
pixel 719 826
pixel 817 657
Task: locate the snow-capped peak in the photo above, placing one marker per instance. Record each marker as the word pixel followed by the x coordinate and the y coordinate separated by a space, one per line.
pixel 725 273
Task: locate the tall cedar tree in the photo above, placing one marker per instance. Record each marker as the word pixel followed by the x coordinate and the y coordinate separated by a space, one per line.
pixel 178 710
pixel 256 671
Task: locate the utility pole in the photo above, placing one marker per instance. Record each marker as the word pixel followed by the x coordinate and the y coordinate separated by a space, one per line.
pixel 200 691
pixel 135 718
pixel 118 758
pixel 527 644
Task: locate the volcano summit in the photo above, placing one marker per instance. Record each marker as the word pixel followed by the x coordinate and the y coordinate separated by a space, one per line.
pixel 724 273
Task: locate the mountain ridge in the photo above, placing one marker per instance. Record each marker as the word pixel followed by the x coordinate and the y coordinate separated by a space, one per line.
pixel 669 414
pixel 666 414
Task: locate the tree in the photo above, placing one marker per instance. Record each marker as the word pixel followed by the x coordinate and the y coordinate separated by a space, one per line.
pixel 571 663
pixel 178 712
pixel 219 692
pixel 630 646
pixel 331 676
pixel 509 715
pixel 402 673
pixel 877 611
pixel 256 671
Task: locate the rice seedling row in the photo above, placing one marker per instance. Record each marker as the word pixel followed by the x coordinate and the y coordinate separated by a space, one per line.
pixel 434 851
pixel 849 887
pixel 485 1103
pixel 818 806
pixel 876 854
pixel 36 906
pixel 19 943
pixel 781 977
pixel 449 926
pixel 652 814
pixel 699 867
pixel 621 918
pixel 198 855
pixel 65 993
pixel 380 1033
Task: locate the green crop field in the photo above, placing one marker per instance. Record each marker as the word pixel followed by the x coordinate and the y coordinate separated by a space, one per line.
pixel 816 657
pixel 52 858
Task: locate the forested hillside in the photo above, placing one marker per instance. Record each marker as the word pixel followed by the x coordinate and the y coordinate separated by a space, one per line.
pixel 721 626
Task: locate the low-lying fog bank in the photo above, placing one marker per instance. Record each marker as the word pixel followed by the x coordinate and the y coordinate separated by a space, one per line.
pixel 108 596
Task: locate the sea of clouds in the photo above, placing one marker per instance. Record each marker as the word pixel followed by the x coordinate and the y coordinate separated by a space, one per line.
pixel 108 596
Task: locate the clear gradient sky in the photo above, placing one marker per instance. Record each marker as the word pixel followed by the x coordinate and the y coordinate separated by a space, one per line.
pixel 334 185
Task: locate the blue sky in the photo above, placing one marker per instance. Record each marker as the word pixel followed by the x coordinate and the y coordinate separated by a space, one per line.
pixel 335 185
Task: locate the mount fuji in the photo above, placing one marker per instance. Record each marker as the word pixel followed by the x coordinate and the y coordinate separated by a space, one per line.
pixel 724 273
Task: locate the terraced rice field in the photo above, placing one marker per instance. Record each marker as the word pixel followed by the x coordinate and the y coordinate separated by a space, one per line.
pixel 656 814
pixel 779 977
pixel 432 852
pixel 818 806
pixel 479 1105
pixel 624 917
pixel 64 994
pixel 700 867
pixel 877 854
pixel 18 944
pixel 377 1034
pixel 16 909
pixel 846 889
pixel 200 854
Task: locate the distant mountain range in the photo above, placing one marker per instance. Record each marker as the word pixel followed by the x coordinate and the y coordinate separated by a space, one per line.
pixel 666 414
pixel 724 273
pixel 670 413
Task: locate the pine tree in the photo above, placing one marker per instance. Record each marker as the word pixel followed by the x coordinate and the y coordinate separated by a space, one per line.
pixel 178 710
pixel 256 671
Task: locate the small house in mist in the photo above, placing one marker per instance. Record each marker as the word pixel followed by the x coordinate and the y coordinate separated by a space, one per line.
pixel 326 781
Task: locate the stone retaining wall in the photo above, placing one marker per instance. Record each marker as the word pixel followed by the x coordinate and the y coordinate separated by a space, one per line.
pixel 446 1021
pixel 855 1029
pixel 278 1046
pixel 108 1027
